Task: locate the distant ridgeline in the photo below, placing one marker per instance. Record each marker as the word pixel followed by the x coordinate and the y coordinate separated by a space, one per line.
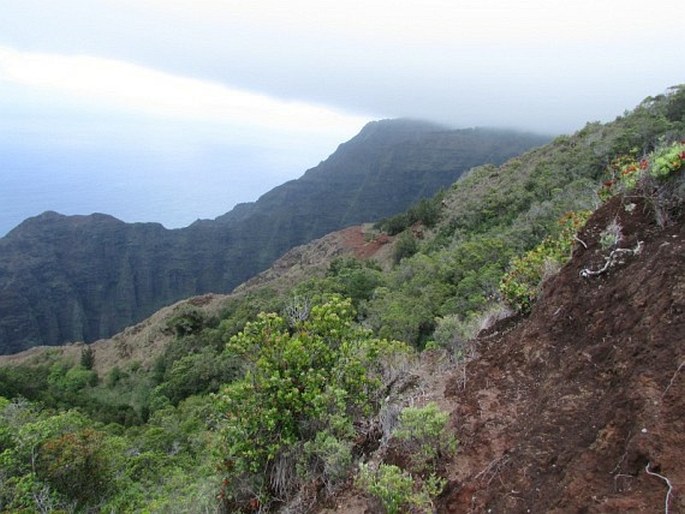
pixel 82 278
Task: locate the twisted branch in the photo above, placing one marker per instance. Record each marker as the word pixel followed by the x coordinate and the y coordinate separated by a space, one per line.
pixel 611 260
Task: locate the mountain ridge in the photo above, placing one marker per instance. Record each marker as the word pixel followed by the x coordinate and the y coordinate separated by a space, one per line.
pixel 71 278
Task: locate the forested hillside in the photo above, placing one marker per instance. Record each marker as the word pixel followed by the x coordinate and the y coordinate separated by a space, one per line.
pixel 322 388
pixel 82 278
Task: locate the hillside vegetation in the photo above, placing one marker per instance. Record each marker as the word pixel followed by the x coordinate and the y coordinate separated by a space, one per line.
pixel 271 398
pixel 83 278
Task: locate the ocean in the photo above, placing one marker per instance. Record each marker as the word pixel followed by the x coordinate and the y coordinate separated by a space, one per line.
pixel 138 184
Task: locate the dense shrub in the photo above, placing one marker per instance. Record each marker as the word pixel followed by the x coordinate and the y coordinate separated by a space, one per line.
pixel 426 212
pixel 397 490
pixel 317 377
pixel 405 246
pixel 424 435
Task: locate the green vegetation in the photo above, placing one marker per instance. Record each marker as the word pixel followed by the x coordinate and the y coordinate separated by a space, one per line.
pixel 667 160
pixel 398 491
pixel 424 435
pixel 273 398
pixel 292 415
pixel 425 212
pixel 520 286
pixel 423 438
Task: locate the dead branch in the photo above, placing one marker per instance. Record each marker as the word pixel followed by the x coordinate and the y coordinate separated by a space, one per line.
pixel 611 260
pixel 493 468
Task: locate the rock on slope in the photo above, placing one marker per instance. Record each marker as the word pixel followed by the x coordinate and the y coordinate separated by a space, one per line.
pixel 564 411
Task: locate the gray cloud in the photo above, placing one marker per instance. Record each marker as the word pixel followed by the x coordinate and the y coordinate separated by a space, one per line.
pixel 542 65
pixel 547 66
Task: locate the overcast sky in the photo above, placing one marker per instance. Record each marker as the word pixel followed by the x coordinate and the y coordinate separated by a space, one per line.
pixel 205 103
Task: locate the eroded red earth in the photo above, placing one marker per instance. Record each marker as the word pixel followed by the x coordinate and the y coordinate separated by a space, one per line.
pixel 564 411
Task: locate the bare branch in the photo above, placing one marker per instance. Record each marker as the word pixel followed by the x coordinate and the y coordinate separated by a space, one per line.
pixel 493 468
pixel 611 260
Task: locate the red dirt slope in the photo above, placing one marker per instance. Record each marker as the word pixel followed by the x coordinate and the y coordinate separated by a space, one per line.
pixel 563 411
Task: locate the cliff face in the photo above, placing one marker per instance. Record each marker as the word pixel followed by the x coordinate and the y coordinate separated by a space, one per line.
pixel 85 277
pixel 81 278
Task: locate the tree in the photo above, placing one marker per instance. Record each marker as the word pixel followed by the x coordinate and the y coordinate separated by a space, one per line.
pixel 87 357
pixel 303 383
pixel 77 465
pixel 406 246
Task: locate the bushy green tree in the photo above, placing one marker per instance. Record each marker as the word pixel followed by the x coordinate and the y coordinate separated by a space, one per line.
pixel 406 246
pixel 318 376
pixel 354 279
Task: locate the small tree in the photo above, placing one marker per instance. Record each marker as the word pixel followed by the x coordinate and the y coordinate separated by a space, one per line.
pixel 406 246
pixel 87 357
pixel 77 465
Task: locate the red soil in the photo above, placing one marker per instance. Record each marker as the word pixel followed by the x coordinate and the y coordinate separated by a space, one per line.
pixel 354 238
pixel 563 411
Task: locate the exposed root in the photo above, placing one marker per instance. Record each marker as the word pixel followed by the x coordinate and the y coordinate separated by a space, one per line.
pixel 580 241
pixel 668 483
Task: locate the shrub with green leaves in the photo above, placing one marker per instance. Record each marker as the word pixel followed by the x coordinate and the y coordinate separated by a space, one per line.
pixel 627 172
pixel 327 459
pixel 319 376
pixel 426 211
pixel 520 286
pixel 611 236
pixel 406 246
pixel 424 434
pixel 397 490
pixel 188 321
pixel 392 486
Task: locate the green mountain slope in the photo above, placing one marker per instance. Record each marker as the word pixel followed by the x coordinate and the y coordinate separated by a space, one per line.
pixel 71 278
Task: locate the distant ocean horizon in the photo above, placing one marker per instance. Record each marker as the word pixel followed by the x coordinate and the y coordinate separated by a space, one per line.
pixel 135 184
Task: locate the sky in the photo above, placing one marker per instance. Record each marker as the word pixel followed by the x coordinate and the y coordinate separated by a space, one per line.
pixel 174 110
